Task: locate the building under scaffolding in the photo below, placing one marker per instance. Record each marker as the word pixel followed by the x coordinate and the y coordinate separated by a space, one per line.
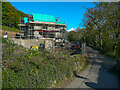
pixel 46 26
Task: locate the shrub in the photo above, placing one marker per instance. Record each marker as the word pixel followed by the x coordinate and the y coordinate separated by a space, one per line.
pixel 36 69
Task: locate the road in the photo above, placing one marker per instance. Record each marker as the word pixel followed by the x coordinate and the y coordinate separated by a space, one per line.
pixel 96 74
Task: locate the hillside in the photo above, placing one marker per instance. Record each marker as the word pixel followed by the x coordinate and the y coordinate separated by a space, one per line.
pixel 10 15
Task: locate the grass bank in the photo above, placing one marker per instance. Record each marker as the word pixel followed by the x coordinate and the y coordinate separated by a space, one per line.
pixel 25 68
pixel 9 29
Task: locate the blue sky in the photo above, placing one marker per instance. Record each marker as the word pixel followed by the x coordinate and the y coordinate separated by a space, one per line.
pixel 70 12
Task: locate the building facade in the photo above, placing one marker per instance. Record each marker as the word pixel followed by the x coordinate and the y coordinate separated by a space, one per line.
pixel 42 26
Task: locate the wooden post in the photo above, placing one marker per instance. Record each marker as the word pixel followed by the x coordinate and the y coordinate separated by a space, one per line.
pixel 28 28
pixel 83 46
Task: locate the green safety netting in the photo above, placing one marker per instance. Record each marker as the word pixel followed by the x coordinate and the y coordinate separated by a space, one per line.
pixel 26 20
pixel 59 22
pixel 43 18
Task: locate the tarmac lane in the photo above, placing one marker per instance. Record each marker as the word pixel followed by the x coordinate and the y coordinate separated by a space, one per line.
pixel 96 74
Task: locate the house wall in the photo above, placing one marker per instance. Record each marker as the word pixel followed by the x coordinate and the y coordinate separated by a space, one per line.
pixel 48 27
pixel 51 28
pixel 37 27
pixel 33 27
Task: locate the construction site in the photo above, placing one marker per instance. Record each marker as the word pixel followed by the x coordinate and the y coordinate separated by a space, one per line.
pixel 41 30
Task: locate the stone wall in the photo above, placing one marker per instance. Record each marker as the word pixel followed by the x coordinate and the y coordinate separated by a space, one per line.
pixel 48 42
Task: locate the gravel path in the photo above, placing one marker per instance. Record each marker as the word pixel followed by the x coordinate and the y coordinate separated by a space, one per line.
pixel 96 75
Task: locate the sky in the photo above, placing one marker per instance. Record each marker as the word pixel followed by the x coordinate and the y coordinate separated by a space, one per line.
pixel 70 12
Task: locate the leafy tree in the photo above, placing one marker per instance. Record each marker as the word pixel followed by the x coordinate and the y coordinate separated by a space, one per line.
pixel 102 26
pixel 77 35
pixel 72 36
pixel 80 33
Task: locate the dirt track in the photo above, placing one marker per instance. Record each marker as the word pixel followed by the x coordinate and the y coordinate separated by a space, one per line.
pixel 9 33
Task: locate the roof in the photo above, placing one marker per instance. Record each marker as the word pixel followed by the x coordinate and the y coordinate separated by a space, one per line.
pixel 26 20
pixel 43 18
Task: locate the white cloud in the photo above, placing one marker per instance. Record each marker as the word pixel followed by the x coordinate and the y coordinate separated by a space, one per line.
pixel 72 29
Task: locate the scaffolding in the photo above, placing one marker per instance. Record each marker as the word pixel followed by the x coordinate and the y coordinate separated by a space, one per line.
pixel 55 28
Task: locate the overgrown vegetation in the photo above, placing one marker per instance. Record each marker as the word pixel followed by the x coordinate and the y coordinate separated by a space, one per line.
pixel 10 15
pixel 24 68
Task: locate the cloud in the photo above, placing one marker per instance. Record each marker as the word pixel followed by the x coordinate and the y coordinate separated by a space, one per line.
pixel 72 29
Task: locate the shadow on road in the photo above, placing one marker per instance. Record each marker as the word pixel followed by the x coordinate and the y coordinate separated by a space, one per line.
pixel 81 77
pixel 91 85
pixel 77 76
pixel 77 51
pixel 105 78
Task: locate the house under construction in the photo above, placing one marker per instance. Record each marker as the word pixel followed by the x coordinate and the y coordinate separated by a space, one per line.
pixel 42 26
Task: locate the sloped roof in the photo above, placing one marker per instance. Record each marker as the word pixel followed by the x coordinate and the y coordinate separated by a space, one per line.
pixel 26 20
pixel 43 18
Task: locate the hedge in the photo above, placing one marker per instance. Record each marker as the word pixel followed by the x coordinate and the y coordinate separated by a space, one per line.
pixel 25 68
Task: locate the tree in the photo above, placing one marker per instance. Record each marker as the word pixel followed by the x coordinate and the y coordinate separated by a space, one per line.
pixel 10 15
pixel 80 33
pixel 102 26
pixel 72 36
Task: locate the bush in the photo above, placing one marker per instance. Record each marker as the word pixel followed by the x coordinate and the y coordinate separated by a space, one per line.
pixel 36 69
